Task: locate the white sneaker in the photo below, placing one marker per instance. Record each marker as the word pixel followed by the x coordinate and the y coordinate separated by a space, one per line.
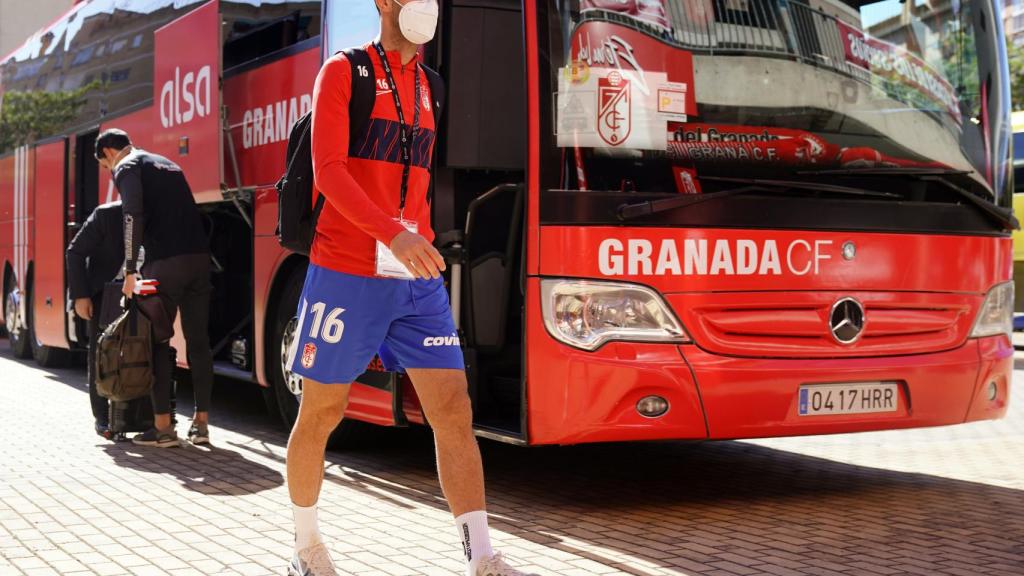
pixel 312 561
pixel 497 566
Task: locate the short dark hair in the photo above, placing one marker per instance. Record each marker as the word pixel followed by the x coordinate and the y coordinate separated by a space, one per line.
pixel 111 138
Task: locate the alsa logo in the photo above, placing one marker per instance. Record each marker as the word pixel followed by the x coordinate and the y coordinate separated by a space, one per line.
pixel 272 123
pixel 704 257
pixel 452 340
pixel 184 98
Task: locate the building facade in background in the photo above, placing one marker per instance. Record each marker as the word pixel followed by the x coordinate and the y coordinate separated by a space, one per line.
pixel 1013 20
pixel 18 18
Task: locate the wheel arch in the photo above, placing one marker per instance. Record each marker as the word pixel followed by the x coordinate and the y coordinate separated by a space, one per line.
pixel 284 271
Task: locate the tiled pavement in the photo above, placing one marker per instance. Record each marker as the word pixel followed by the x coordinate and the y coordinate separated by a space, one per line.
pixel 942 501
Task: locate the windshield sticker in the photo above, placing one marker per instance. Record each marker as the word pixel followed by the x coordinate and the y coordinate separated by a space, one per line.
pixel 672 101
pixel 615 110
pixel 608 110
pixel 620 89
pixel 893 63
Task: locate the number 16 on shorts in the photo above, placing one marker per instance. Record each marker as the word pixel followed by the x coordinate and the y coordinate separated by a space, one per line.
pixel 326 327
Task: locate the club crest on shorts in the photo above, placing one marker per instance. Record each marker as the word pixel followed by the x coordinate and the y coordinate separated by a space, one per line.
pixel 308 355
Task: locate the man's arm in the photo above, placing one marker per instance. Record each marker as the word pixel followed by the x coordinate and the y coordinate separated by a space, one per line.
pixel 331 95
pixel 85 244
pixel 129 184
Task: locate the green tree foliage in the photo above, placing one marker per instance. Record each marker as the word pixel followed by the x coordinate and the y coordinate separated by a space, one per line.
pixel 29 116
pixel 1015 55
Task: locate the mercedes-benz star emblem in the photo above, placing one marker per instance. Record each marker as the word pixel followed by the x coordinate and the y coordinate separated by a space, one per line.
pixel 847 320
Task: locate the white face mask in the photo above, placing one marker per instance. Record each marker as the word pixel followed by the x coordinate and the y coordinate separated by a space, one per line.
pixel 418 20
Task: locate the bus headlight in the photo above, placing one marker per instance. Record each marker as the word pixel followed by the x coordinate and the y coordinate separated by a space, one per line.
pixel 996 315
pixel 588 314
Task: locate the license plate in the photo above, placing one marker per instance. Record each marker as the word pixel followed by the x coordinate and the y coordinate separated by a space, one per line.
pixel 859 398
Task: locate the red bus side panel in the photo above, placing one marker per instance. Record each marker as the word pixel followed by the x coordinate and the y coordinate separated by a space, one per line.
pixel 263 104
pixel 6 213
pixel 49 316
pixel 185 117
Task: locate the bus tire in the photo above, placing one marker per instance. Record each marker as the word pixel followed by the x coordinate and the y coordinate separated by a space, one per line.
pixel 286 387
pixel 17 337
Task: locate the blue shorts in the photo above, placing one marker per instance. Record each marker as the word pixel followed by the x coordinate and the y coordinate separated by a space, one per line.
pixel 344 320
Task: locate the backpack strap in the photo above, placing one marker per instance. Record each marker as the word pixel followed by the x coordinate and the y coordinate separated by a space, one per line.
pixel 437 92
pixel 364 92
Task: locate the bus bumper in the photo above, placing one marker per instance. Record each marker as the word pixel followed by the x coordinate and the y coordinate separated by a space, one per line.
pixel 578 397
pixel 749 398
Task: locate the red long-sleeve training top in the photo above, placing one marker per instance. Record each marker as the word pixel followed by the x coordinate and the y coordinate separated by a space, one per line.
pixel 362 180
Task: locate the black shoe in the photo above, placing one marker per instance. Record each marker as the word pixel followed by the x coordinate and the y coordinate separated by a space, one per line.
pixel 199 433
pixel 158 438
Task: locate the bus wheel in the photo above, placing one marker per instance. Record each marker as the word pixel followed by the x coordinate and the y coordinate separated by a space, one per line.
pixel 17 336
pixel 287 386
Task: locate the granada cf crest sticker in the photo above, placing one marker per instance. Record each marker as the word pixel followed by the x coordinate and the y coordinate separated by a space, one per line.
pixel 308 355
pixel 614 113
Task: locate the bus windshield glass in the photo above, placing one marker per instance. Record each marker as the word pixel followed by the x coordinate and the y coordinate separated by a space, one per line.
pixel 692 96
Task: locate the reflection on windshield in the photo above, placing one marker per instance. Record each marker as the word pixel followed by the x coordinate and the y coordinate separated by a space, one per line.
pixel 653 94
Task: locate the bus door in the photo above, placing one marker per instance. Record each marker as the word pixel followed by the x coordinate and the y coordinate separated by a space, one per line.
pixel 479 200
pixel 49 286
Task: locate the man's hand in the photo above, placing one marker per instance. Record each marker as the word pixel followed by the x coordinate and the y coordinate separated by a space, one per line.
pixel 418 255
pixel 129 285
pixel 83 307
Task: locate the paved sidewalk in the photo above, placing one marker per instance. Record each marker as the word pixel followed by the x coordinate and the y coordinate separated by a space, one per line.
pixel 942 501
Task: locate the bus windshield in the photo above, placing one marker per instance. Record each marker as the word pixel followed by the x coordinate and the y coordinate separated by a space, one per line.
pixel 694 96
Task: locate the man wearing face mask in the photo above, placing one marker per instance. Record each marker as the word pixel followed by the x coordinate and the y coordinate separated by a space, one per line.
pixel 374 284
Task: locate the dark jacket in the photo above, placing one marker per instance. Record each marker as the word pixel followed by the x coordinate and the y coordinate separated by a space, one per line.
pixel 96 254
pixel 160 212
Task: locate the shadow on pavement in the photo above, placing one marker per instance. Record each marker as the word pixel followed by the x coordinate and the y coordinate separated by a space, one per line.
pixel 211 470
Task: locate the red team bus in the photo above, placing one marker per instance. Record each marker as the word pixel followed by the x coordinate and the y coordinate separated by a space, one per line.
pixel 669 219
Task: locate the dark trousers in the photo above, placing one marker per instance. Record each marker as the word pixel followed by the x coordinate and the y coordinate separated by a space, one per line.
pixel 100 406
pixel 185 285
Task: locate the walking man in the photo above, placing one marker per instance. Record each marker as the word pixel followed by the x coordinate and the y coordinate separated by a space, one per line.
pixel 160 213
pixel 374 285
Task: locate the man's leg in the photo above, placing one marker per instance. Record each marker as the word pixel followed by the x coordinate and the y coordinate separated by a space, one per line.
pixel 445 399
pixel 444 395
pixel 100 405
pixel 163 373
pixel 320 412
pixel 169 292
pixel 195 319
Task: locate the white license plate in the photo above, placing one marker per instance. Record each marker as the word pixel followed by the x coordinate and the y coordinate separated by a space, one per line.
pixel 859 398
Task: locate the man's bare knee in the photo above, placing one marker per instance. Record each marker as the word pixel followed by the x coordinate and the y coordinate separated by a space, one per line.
pixel 453 413
pixel 322 407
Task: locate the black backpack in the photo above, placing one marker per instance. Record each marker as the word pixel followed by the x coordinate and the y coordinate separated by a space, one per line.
pixel 296 213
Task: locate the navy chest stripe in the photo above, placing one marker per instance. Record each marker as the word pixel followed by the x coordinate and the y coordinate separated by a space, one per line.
pixel 382 142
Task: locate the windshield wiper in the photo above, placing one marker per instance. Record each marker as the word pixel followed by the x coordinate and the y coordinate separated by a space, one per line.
pixel 640 209
pixel 1000 215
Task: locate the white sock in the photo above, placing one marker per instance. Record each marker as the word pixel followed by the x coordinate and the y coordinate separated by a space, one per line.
pixel 307 528
pixel 476 538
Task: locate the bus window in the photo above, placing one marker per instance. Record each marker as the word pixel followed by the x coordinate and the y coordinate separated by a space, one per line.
pixel 253 30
